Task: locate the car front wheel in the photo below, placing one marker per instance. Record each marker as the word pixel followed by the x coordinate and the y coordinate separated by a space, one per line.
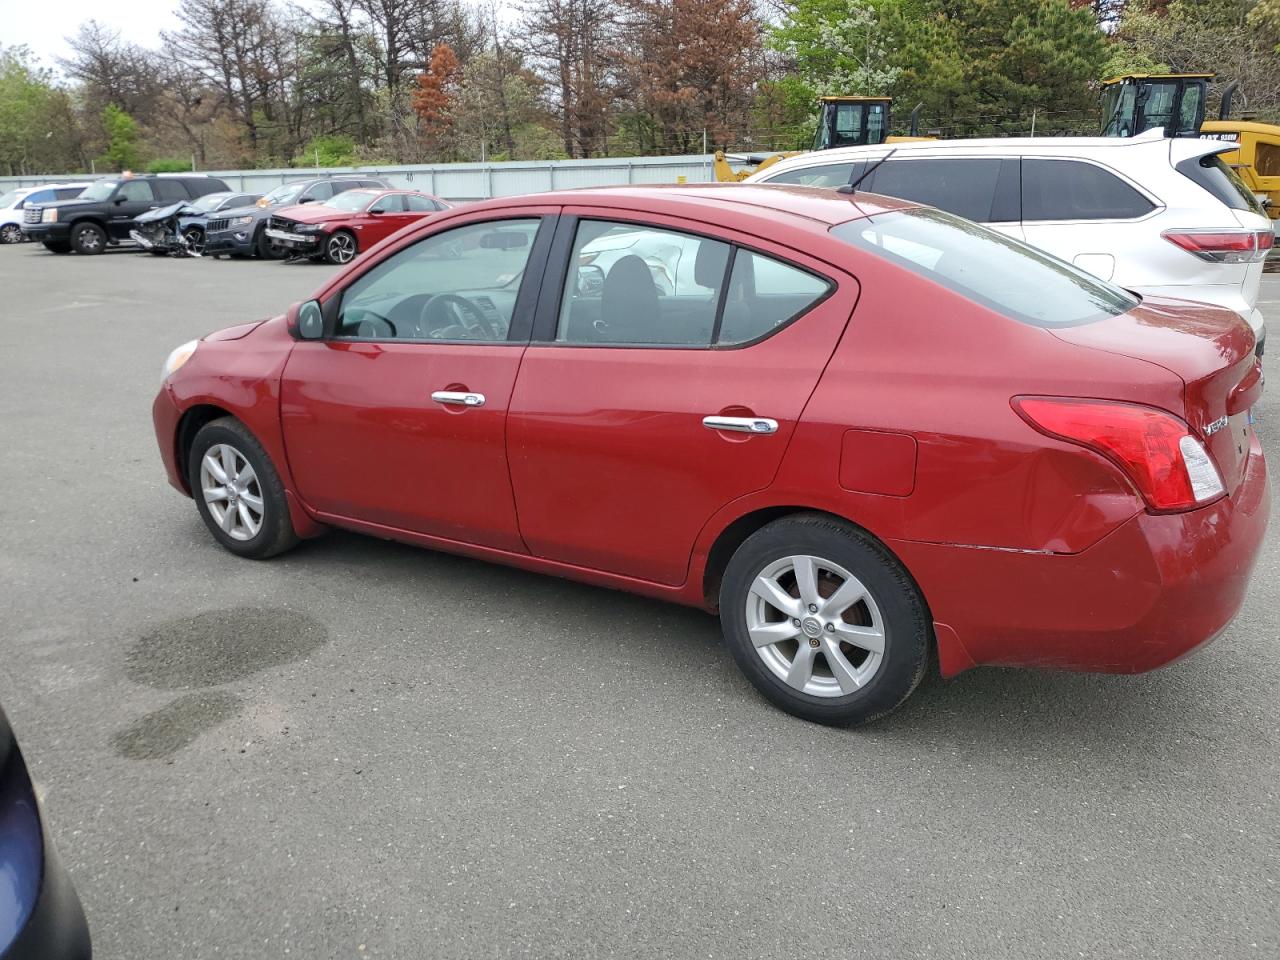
pixel 238 492
pixel 10 233
pixel 340 248
pixel 824 621
pixel 88 238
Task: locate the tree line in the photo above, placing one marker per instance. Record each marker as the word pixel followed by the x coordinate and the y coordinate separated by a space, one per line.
pixel 243 83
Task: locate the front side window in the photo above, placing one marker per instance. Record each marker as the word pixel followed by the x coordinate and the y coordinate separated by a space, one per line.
pixel 1074 190
pixel 988 268
pixel 8 200
pixel 981 189
pixel 1266 159
pixel 137 190
pixel 1157 108
pixel 642 285
pixel 394 203
pixel 286 193
pixel 319 192
pixel 459 285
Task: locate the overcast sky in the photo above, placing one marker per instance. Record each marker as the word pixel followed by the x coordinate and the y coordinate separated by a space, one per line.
pixel 43 26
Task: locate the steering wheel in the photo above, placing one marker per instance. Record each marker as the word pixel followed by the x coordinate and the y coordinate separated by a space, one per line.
pixel 448 309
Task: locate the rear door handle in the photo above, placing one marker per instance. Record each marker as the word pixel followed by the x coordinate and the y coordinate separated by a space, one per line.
pixel 458 398
pixel 741 424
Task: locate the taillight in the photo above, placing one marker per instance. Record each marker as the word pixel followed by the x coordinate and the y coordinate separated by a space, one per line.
pixel 1224 246
pixel 1154 449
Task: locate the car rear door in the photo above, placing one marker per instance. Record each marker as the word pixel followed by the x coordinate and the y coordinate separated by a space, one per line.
pixel 383 218
pixel 670 363
pixel 394 422
pixel 132 198
pixel 984 189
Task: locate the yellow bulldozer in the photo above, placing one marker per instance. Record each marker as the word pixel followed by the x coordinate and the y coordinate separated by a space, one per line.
pixel 842 122
pixel 1176 101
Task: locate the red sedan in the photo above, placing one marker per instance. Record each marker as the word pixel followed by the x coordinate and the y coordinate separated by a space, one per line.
pixel 348 224
pixel 861 430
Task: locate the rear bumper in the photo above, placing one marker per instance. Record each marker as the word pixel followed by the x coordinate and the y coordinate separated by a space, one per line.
pixel 1150 592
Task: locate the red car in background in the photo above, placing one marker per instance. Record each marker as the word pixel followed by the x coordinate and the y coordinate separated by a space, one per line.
pixel 864 431
pixel 348 224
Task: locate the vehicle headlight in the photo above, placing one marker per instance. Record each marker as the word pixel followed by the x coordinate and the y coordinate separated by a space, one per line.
pixel 178 357
pixel 310 227
pixel 49 215
pixel 241 221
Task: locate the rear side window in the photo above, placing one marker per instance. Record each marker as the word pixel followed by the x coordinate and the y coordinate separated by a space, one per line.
pixel 1214 175
pixel 172 190
pixel 827 175
pixel 41 196
pixel 68 193
pixel 418 204
pixel 988 268
pixel 981 189
pixel 1073 190
pixel 764 294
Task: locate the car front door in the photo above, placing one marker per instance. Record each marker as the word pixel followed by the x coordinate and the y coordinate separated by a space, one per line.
pixel 666 376
pixel 132 198
pixel 384 217
pixel 396 419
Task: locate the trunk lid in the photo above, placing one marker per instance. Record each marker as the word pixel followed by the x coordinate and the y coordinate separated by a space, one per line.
pixel 1210 349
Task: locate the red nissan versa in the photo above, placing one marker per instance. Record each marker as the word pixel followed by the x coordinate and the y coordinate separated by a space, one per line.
pixel 349 223
pixel 858 428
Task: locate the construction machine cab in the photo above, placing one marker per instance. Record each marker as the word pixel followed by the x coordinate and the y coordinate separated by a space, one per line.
pixel 852 122
pixel 1137 102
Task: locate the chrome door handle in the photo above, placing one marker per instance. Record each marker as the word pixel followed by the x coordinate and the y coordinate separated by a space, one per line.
pixel 741 424
pixel 458 398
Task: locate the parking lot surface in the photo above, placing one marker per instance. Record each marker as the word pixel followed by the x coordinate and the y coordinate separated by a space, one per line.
pixel 362 749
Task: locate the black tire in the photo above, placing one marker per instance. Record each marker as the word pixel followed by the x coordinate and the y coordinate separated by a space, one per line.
pixel 264 248
pixel 340 247
pixel 57 246
pixel 275 534
pixel 908 635
pixel 88 238
pixel 10 233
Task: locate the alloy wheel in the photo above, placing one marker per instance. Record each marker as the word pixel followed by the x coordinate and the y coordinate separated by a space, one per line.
pixel 88 240
pixel 815 626
pixel 232 492
pixel 341 248
pixel 194 240
pixel 12 233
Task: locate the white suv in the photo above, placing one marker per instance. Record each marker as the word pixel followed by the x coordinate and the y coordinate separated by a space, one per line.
pixel 1162 217
pixel 13 203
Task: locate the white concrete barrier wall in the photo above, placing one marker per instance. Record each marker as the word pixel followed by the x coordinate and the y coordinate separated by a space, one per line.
pixel 466 181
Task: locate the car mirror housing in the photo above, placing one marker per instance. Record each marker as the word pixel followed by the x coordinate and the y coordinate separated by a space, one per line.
pixel 306 320
pixel 306 200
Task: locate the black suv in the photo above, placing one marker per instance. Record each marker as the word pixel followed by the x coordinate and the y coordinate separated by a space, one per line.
pixel 104 213
pixel 242 232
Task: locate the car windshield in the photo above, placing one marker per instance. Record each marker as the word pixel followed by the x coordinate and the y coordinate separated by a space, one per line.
pixel 285 193
pixel 1004 275
pixel 351 200
pixel 100 190
pixel 7 200
pixel 210 201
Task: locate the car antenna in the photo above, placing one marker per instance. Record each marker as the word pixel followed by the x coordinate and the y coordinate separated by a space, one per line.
pixel 852 185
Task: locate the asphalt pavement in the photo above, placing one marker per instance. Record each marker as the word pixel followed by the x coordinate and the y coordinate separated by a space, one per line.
pixel 362 749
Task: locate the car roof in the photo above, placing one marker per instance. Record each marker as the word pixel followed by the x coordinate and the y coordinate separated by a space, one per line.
pixel 815 204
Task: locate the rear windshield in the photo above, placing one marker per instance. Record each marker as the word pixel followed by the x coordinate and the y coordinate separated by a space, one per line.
pixel 1215 175
pixel 987 267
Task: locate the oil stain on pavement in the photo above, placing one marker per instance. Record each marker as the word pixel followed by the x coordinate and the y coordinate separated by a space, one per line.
pixel 219 646
pixel 175 725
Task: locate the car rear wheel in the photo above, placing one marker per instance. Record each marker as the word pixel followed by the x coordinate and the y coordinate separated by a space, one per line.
pixel 238 492
pixel 193 237
pixel 824 621
pixel 88 238
pixel 10 233
pixel 340 248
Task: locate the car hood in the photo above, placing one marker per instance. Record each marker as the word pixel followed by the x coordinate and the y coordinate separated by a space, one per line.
pixel 311 213
pixel 238 332
pixel 163 213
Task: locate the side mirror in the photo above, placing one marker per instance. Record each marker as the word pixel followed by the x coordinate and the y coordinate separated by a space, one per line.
pixel 306 200
pixel 590 281
pixel 375 212
pixel 118 200
pixel 306 320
